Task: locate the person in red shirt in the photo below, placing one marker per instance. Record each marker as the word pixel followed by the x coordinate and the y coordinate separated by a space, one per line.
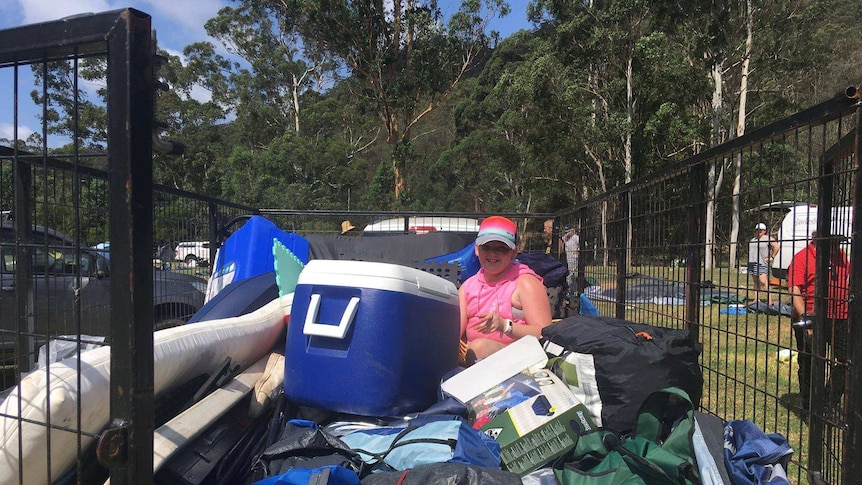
pixel 800 282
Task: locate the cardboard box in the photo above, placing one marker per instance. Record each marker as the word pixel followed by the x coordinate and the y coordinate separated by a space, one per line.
pixel 528 410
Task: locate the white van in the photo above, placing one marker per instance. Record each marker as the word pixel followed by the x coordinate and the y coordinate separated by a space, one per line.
pixel 796 222
pixel 422 225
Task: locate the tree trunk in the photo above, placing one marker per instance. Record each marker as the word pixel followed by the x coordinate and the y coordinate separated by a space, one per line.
pixel 713 179
pixel 628 152
pixel 740 130
pixel 295 93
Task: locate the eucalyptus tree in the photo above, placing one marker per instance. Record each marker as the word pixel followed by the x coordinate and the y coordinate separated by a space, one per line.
pixel 192 117
pixel 273 74
pixel 515 150
pixel 407 55
pixel 765 65
pixel 629 93
pixel 74 95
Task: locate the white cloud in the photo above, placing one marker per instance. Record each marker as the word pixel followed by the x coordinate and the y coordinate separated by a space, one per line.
pixel 7 131
pixel 180 22
pixel 201 94
pixel 191 15
pixel 42 11
pixel 173 52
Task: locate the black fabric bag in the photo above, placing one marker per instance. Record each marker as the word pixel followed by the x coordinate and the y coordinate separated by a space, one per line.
pixel 448 473
pixel 631 361
pixel 553 274
pixel 552 271
pixel 303 444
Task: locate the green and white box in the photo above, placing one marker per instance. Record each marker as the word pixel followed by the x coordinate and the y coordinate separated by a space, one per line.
pixel 513 398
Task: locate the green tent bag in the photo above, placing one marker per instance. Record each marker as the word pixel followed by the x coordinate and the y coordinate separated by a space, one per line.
pixel 658 452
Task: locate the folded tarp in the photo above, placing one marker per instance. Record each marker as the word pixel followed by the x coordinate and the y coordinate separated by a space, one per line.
pixel 404 249
pixel 662 292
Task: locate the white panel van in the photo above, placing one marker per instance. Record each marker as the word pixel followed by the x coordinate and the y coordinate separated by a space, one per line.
pixel 422 225
pixel 794 228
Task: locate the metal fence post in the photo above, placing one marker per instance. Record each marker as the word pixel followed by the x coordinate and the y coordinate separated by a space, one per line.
pixel 23 194
pixel 825 192
pixel 624 214
pixel 694 251
pixel 127 446
pixel 214 236
pixel 580 280
pixel 853 448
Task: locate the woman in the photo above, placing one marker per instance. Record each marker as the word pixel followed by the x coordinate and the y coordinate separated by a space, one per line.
pixel 505 300
pixel 761 252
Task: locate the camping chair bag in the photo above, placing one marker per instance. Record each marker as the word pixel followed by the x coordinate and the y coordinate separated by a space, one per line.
pixel 612 365
pixel 659 451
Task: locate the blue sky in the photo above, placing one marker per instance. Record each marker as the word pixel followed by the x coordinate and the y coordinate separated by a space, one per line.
pixel 177 23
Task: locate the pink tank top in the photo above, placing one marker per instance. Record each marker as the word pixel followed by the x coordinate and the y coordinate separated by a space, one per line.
pixel 483 298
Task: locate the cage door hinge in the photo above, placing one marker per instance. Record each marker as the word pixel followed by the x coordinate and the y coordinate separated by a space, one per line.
pixel 111 450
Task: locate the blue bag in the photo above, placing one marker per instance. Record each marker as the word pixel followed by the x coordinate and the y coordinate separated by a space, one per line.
pixel 437 441
pixel 753 457
pixel 587 307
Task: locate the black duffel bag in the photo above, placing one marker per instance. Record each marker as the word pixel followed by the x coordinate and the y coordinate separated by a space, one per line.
pixel 613 365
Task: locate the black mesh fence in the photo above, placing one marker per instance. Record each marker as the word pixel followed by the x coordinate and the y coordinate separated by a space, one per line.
pixel 678 249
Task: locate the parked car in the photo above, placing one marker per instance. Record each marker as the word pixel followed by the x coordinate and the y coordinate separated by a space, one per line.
pixel 192 252
pixel 104 248
pixel 56 266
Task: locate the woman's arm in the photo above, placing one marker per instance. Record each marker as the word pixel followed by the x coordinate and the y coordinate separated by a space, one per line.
pixel 532 297
pixel 462 302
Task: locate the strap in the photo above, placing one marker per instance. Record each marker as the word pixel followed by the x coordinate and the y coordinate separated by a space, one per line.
pixel 402 477
pixel 662 412
pixel 381 456
pixel 666 424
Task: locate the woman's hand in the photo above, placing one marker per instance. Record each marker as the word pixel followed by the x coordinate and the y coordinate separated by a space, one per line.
pixel 491 322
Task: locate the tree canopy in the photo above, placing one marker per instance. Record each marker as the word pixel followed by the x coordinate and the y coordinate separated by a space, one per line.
pixel 344 104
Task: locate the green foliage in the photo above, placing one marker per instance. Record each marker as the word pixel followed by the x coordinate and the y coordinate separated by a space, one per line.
pixel 380 193
pixel 338 104
pixel 407 61
pixel 69 111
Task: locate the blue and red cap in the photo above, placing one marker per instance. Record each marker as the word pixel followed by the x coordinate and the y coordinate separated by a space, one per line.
pixel 497 228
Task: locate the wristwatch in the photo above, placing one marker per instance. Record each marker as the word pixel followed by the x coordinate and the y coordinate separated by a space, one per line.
pixel 509 327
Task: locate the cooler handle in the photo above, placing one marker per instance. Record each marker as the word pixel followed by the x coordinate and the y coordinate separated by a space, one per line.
pixel 331 331
pixel 440 290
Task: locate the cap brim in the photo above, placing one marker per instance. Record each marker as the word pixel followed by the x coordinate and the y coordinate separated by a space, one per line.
pixel 494 237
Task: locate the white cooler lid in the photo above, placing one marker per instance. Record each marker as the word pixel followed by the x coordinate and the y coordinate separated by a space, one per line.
pixel 378 276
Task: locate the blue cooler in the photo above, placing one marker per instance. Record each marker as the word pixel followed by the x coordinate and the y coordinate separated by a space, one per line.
pixel 369 338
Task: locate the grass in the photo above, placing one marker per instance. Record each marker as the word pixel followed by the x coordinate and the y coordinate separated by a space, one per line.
pixel 744 378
